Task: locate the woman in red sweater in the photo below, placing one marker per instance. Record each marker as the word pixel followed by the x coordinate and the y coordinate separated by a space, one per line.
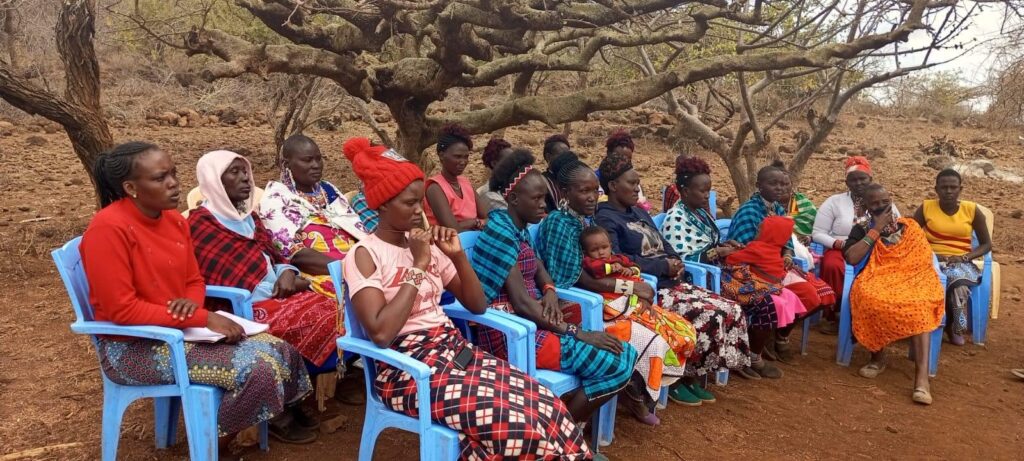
pixel 141 268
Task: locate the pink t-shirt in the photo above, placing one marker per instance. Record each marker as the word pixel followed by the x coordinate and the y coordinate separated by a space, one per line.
pixel 391 262
pixel 462 208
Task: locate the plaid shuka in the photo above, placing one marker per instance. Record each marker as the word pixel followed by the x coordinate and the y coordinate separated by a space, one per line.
pixel 369 217
pixel 558 245
pixel 746 223
pixel 228 258
pixel 497 250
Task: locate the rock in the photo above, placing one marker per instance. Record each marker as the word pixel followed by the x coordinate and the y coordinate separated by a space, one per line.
pixel 228 116
pixel 382 118
pixel 843 150
pixel 23 208
pixel 182 122
pixel 785 149
pixel 51 128
pixel 477 105
pixel 662 131
pixel 939 162
pixel 862 124
pixel 212 120
pixel 985 166
pixel 586 141
pixel 168 118
pixel 37 141
pixel 874 153
pixel 76 181
pixel 641 131
pixel 782 125
pixel 1017 214
pixel 194 119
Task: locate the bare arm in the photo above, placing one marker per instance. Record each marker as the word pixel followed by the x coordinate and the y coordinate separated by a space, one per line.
pixel 310 261
pixel 443 212
pixel 524 305
pixel 984 239
pixel 919 216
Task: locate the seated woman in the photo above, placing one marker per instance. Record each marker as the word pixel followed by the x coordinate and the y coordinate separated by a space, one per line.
pixel 773 183
pixel 554 146
pixel 396 278
pixel 690 230
pixel 141 270
pixel 896 293
pixel 833 223
pixel 516 282
pixel 620 142
pixel 949 223
pixel 720 323
pixel 451 200
pixel 234 249
pixel 308 219
pixel 495 150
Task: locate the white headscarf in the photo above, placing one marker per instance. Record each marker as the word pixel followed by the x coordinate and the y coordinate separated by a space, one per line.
pixel 208 172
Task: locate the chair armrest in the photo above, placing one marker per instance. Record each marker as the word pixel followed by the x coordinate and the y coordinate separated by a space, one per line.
pixel 698 274
pixel 802 264
pixel 241 304
pixel 174 338
pixel 519 333
pixel 591 306
pixel 714 271
pixel 817 248
pixel 419 371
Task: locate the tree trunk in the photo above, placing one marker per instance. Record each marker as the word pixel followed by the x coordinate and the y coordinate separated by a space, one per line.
pixel 414 134
pixel 11 32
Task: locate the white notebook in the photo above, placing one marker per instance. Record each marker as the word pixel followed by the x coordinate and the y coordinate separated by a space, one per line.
pixel 206 335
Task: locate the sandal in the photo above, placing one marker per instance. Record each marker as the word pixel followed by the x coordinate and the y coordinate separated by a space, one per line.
pixel 922 396
pixel 871 370
pixel 766 370
pixel 748 373
pixel 287 431
pixel 1018 372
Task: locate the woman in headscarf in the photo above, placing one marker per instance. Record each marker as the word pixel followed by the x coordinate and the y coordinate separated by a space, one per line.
pixel 559 247
pixel 833 223
pixel 138 260
pixel 514 280
pixel 308 219
pixel 691 231
pixel 949 224
pixel 773 183
pixel 396 276
pixel 721 326
pixel 495 150
pixel 451 200
pixel 896 293
pixel 234 249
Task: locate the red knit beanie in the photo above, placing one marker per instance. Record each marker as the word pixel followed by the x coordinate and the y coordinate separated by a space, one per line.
pixel 383 172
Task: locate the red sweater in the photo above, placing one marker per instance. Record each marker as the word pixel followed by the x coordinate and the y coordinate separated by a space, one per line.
pixel 136 264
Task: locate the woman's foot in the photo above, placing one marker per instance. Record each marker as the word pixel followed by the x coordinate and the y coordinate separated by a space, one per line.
pixel 748 373
pixel 922 395
pixel 766 369
pixel 828 327
pixel 956 340
pixel 872 370
pixel 683 396
pixel 305 417
pixel 779 350
pixel 639 410
pixel 701 393
pixel 285 429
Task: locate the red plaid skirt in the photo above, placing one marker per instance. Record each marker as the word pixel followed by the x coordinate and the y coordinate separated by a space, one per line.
pixel 309 321
pixel 499 411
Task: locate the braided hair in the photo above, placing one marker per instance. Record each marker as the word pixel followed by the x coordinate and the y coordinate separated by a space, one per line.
pixel 113 167
pixel 491 151
pixel 565 167
pixel 619 138
pixel 688 168
pixel 506 170
pixel 452 135
pixel 613 166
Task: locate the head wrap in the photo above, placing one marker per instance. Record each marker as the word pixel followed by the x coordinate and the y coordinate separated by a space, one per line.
pixel 208 172
pixel 857 163
pixel 613 166
pixel 384 172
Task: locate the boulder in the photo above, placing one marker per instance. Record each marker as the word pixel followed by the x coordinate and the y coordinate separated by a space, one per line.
pixel 37 141
pixel 168 118
pixel 939 162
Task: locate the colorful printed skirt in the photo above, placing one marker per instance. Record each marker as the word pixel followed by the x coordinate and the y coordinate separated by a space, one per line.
pixel 663 340
pixel 309 321
pixel 960 278
pixel 499 411
pixel 260 375
pixel 721 328
pixel 601 372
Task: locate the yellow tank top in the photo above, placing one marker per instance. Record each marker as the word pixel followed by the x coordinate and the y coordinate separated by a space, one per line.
pixel 949 235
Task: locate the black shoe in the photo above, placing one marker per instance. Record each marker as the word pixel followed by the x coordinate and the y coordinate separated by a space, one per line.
pixel 305 417
pixel 285 429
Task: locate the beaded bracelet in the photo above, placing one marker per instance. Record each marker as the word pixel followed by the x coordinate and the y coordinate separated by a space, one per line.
pixel 413 276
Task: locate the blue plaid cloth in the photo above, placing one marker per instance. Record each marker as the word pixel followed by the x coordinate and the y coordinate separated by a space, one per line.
pixel 497 250
pixel 366 215
pixel 558 245
pixel 746 223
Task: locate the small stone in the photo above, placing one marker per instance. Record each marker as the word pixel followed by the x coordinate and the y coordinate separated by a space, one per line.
pixel 862 124
pixel 1017 214
pixel 37 141
pixel 939 162
pixel 23 208
pixel 892 429
pixel 77 181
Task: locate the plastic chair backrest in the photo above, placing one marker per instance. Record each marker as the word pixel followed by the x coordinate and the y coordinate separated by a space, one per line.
pixel 713 204
pixel 468 240
pixel 658 219
pixel 990 220
pixel 723 228
pixel 352 326
pixel 72 273
pixel 534 230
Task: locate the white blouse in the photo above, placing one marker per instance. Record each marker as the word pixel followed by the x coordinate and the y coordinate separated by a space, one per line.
pixel 835 219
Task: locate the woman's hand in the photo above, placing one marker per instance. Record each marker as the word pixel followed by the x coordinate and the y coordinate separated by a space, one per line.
pixel 725 250
pixel 643 290
pixel 883 220
pixel 675 267
pixel 232 331
pixel 286 285
pixel 957 259
pixel 181 308
pixel 645 308
pixel 734 244
pixel 447 240
pixel 601 340
pixel 550 307
pixel 419 245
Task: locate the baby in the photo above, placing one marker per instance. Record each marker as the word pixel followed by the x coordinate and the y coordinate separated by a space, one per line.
pixel 600 262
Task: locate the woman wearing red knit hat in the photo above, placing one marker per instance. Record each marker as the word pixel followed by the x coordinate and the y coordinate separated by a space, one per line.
pixel 396 277
pixel 834 221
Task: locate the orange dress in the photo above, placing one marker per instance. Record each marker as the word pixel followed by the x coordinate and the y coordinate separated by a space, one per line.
pixel 898 294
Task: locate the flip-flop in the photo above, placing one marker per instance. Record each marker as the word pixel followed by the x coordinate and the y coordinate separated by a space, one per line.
pixel 871 370
pixel 922 396
pixel 1018 372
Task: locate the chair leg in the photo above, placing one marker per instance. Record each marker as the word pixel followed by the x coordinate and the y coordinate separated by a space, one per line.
pixel 934 348
pixel 201 404
pixel 806 335
pixel 371 429
pixel 165 410
pixel 722 377
pixel 114 404
pixel 439 446
pixel 606 424
pixel 264 436
pixel 844 350
pixel 979 314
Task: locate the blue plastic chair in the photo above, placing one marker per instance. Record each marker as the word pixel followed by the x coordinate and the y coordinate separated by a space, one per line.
pixel 200 403
pixel 981 296
pixel 437 442
pixel 844 351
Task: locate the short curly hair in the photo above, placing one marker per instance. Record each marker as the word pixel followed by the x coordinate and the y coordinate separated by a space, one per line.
pixel 549 143
pixel 619 138
pixel 452 135
pixel 688 168
pixel 492 149
pixel 508 168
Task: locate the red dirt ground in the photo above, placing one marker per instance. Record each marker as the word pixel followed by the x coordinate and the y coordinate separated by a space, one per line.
pixel 50 381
